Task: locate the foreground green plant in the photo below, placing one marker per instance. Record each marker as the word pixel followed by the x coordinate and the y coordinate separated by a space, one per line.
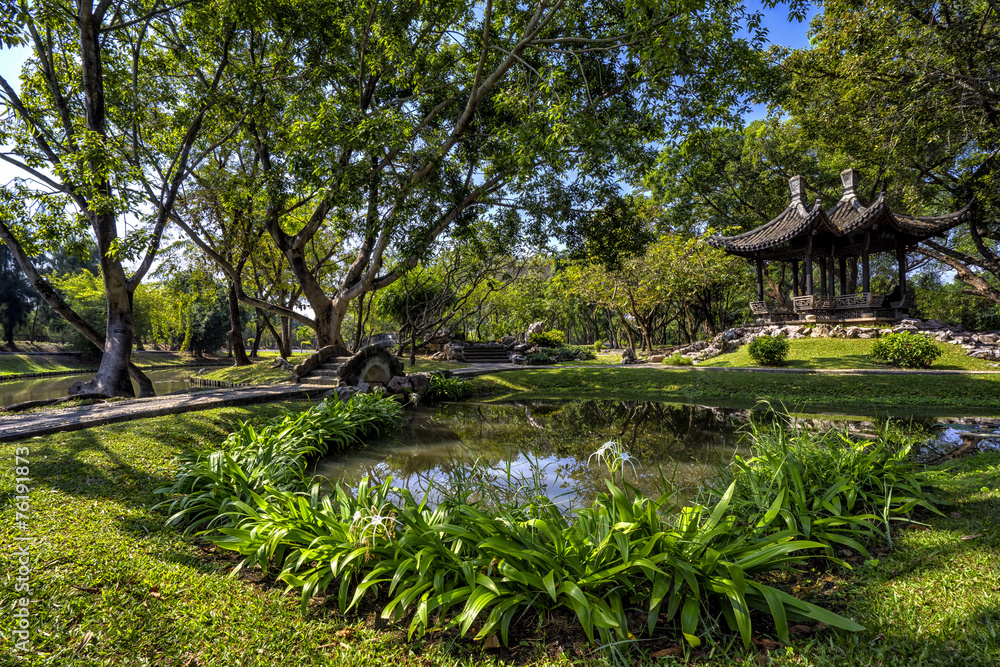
pixel 274 456
pixel 678 359
pixel 826 487
pixel 457 565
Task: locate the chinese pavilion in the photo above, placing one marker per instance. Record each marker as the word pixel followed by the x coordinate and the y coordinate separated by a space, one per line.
pixel 835 242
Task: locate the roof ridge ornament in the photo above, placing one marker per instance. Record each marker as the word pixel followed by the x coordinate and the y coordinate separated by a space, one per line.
pixel 850 178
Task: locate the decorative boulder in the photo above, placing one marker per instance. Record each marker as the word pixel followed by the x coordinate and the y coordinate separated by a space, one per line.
pixel 657 358
pixel 278 363
pixel 454 352
pixel 508 341
pixel 518 359
pixel 438 356
pixel 399 385
pixel 629 357
pixel 522 348
pixel 421 382
pixel 342 393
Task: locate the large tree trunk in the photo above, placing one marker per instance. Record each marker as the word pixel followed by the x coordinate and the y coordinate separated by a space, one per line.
pixel 236 330
pixel 112 377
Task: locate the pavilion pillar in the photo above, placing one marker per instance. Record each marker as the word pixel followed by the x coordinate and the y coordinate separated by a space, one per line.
pixel 809 265
pixel 901 262
pixel 822 277
pixel 852 280
pixel 844 287
pixel 795 277
pixel 832 268
pixel 760 278
pixel 865 270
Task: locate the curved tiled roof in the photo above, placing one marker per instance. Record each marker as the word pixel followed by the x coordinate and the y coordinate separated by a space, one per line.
pixel 848 215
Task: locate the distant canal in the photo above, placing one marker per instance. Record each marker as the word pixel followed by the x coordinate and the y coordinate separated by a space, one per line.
pixel 18 391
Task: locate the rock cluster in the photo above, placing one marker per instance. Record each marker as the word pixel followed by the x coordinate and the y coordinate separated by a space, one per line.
pixel 414 383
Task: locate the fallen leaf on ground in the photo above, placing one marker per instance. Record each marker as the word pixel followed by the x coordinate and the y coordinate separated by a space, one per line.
pixel 87 589
pixel 345 633
pixel 83 642
pixel 970 537
pixel 491 642
pixel 800 630
pixel 667 652
pixel 766 644
pixel 155 592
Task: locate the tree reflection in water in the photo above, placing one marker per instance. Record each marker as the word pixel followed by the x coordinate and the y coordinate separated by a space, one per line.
pixel 545 445
pixel 518 447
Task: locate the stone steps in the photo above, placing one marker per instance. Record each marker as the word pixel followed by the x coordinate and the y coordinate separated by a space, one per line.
pixel 483 354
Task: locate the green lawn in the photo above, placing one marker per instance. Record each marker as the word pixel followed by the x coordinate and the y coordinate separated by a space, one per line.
pixel 111 585
pixel 847 353
pixel 260 373
pixel 865 394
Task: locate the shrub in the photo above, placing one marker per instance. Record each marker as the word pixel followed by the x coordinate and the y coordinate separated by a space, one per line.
pixel 598 346
pixel 557 354
pixel 553 338
pixel 678 359
pixel 905 349
pixel 446 388
pixel 768 350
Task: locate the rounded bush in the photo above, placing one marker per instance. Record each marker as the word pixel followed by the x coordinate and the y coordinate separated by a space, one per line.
pixel 768 350
pixel 598 346
pixel 677 359
pixel 906 350
pixel 553 338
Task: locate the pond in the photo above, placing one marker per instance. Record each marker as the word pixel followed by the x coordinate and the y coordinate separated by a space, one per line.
pixel 164 382
pixel 550 446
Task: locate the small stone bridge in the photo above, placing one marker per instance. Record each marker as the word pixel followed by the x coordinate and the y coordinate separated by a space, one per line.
pixel 335 366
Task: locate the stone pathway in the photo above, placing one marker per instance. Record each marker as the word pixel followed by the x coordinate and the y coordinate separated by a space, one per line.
pixel 19 426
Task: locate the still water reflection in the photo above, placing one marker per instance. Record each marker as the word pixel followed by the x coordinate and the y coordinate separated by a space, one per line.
pixel 164 382
pixel 675 446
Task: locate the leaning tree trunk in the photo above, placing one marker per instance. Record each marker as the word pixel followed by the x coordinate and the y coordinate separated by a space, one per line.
pixel 112 377
pixel 235 332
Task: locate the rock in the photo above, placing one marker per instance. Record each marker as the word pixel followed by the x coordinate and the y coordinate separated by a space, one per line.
pixel 522 348
pixel 657 358
pixel 989 339
pixel 796 335
pixel 582 356
pixel 534 327
pixel 341 393
pixel 628 356
pixel 278 363
pixel 438 356
pixel 901 328
pixel 518 359
pixel 399 385
pixel 933 325
pixel 943 336
pixel 421 382
pixel 864 335
pixel 508 341
pixel 76 388
pixel 851 332
pixel 915 323
pixel 454 352
pixel 362 387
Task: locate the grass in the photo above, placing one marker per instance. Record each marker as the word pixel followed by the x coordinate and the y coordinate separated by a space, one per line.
pixel 260 373
pixel 890 394
pixel 112 585
pixel 846 353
